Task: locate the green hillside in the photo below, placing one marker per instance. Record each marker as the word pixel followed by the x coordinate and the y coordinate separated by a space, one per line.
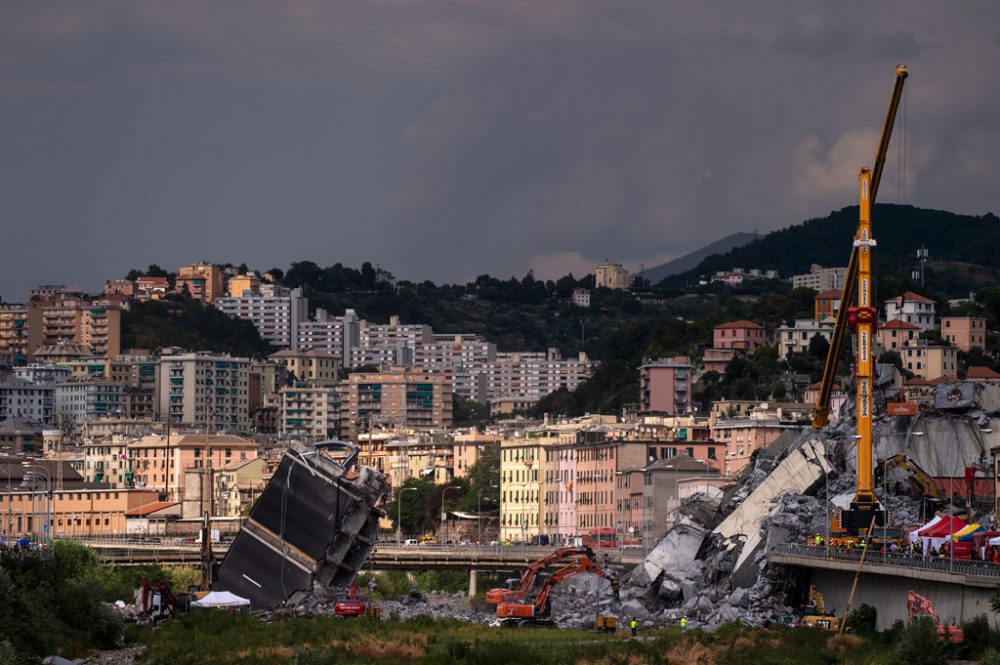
pixel 966 242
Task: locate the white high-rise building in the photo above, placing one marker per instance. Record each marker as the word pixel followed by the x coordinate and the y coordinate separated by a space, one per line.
pixel 276 312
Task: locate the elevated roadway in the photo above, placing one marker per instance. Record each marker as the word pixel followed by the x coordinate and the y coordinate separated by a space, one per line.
pixel 959 589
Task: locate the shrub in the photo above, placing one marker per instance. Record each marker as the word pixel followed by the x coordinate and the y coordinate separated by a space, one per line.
pixel 919 643
pixel 862 621
pixel 979 636
pixel 990 657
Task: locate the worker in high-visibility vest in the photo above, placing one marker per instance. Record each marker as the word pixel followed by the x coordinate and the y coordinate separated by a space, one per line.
pixel 818 539
pixel 684 624
pixel 634 625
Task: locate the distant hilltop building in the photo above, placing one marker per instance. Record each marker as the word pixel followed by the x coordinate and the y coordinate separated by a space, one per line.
pixel 581 297
pixel 821 279
pixel 610 275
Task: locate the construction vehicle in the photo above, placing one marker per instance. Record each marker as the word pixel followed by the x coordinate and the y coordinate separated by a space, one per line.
pixel 865 511
pixel 917 605
pixel 606 623
pixel 350 603
pixel 154 601
pixel 923 481
pixel 822 414
pixel 518 589
pixel 535 611
pixel 814 614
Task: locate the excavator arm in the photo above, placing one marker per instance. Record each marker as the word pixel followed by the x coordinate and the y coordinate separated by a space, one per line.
pixel 528 579
pixel 519 609
pixel 822 414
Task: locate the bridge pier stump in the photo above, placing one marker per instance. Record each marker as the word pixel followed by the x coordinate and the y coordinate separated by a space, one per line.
pixel 473 578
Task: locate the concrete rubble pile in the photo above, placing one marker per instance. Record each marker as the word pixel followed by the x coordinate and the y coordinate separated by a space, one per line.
pixel 712 565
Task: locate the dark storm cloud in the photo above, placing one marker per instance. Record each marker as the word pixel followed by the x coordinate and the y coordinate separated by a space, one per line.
pixel 447 139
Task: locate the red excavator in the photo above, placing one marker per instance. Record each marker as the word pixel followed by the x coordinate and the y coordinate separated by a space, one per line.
pixel 519 589
pixel 154 601
pixel 917 605
pixel 536 611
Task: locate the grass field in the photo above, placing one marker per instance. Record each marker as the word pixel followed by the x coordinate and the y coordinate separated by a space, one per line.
pixel 226 638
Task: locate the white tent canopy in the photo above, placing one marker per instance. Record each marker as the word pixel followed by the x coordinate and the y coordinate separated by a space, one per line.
pixel 222 599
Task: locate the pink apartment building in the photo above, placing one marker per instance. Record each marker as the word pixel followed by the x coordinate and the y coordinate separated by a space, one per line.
pixel 665 385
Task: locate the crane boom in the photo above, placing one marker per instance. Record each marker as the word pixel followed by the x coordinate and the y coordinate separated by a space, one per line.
pixel 822 414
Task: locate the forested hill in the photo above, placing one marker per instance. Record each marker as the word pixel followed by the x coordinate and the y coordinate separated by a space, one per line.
pixel 962 248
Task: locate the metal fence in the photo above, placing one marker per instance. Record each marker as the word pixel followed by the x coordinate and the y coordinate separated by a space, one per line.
pixel 885 558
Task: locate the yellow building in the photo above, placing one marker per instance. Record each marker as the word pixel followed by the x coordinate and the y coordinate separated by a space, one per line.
pixel 71 320
pixel 522 491
pixel 20 330
pixel 203 281
pixel 115 371
pixel 612 275
pixel 313 367
pixel 240 284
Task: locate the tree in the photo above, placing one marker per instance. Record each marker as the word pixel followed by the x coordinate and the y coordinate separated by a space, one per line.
pixel 778 393
pixel 819 347
pixel 467 412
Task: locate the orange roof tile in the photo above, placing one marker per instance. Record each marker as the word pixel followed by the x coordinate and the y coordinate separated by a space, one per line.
pixel 980 372
pixel 829 293
pixel 743 323
pixel 911 297
pixel 903 325
pixel 148 508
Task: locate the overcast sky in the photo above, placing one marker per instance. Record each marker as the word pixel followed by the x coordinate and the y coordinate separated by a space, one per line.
pixel 443 140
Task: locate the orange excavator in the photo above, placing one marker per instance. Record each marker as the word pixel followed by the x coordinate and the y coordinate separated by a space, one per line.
pixel 519 589
pixel 535 612
pixel 917 605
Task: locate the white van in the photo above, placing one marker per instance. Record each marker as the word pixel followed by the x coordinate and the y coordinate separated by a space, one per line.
pixel 410 541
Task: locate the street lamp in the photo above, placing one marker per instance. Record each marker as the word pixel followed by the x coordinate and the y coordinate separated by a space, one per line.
pixel 444 515
pixel 38 470
pixel 399 511
pixel 479 507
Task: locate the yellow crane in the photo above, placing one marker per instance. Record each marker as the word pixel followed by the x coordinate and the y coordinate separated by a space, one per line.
pixel 822 415
pixel 864 511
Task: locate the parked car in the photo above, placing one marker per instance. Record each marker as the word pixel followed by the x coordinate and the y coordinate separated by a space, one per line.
pixel 410 541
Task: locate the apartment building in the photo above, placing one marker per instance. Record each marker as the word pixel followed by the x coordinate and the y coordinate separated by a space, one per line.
pixel 394 332
pixel 71 320
pixel 115 371
pixel 580 297
pixel 912 308
pixel 243 285
pixel 964 332
pixel 313 367
pixel 611 275
pixel 894 335
pixel 276 317
pixel 400 397
pixel 741 335
pixel 151 288
pixel 930 361
pixel 419 456
pixel 665 385
pixel 522 494
pixel 159 462
pixel 821 279
pixel 20 330
pixel 202 281
pixel 205 390
pixel 797 337
pixel 120 287
pixel 88 399
pixel 741 437
pixel 77 512
pixel 826 304
pixel 20 398
pixel 729 340
pixel 334 335
pixel 21 436
pixel 536 374
pixel 310 412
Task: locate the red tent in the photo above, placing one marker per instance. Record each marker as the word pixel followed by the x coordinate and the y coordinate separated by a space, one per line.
pixel 944 528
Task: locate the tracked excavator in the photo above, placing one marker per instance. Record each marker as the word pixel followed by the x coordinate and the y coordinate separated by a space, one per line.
pixel 535 610
pixel 865 511
pixel 518 589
